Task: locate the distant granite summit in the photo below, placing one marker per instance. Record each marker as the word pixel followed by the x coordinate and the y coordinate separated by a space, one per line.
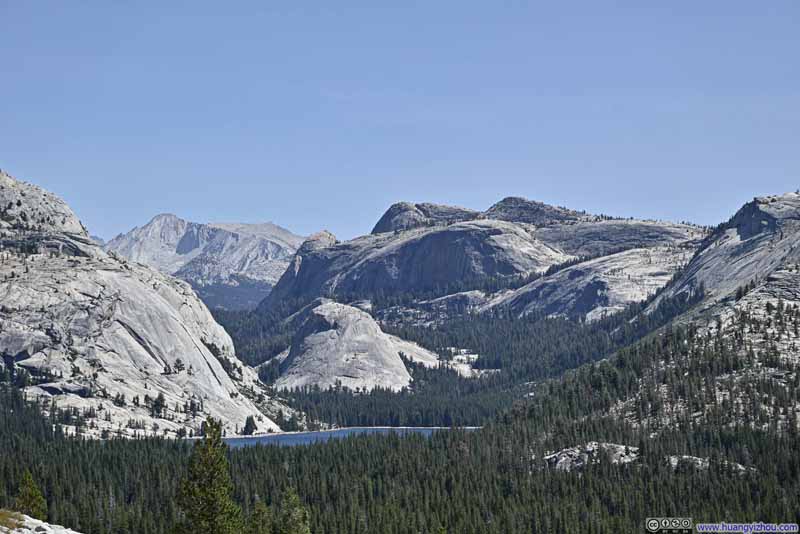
pixel 423 248
pixel 230 265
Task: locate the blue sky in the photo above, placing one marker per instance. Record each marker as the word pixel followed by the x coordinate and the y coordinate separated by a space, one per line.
pixel 320 115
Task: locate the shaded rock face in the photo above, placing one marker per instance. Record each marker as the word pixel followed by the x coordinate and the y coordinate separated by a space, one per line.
pixel 415 260
pixel 418 248
pixel 522 210
pixel 405 216
pixel 339 345
pixel 27 208
pixel 749 271
pixel 761 238
pixel 230 265
pixel 102 334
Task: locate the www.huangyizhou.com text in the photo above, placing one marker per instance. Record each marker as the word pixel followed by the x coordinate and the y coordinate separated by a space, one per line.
pixel 747 527
pixel 687 524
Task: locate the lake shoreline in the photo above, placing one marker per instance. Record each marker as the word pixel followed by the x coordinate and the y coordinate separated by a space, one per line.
pixel 307 437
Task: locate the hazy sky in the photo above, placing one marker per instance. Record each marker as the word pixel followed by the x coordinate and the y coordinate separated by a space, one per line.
pixel 320 115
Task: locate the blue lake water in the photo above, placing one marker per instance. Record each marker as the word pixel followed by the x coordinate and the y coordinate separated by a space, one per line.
pixel 305 438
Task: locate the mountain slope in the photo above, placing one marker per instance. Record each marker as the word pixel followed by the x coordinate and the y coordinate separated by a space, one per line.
pixel 131 349
pixel 414 260
pixel 733 358
pixel 761 238
pixel 596 287
pixel 425 248
pixel 230 265
pixel 338 344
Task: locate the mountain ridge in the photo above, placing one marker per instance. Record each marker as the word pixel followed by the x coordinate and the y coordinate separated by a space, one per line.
pixel 231 265
pixel 108 337
pixel 417 247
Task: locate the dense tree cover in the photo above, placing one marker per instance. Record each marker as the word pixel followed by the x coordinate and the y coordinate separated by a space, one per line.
pixel 437 397
pixel 128 486
pixel 490 481
pixel 519 351
pixel 656 392
pixel 263 333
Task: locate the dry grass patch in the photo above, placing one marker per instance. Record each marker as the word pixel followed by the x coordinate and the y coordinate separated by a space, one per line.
pixel 10 520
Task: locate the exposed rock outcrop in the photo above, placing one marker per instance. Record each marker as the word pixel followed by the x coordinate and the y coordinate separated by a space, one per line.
pixel 604 237
pixel 229 265
pixel 581 456
pixel 425 248
pixel 32 209
pixel 416 260
pixel 597 287
pixel 341 345
pixel 522 210
pixel 405 216
pixel 576 458
pixel 760 239
pixel 23 524
pixel 133 349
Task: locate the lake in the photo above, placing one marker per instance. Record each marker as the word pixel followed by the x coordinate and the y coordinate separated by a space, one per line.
pixel 291 439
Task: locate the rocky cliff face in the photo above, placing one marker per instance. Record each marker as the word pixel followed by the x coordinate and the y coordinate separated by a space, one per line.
pixel 230 265
pixel 132 349
pixel 337 345
pixel 760 239
pixel 416 260
pixel 522 210
pixel 592 239
pixel 418 248
pixel 597 287
pixel 405 216
pixel 748 272
pixel 446 261
pixel 31 209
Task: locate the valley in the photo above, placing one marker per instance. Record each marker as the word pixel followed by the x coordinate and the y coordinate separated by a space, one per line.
pixel 577 343
pixel 399 267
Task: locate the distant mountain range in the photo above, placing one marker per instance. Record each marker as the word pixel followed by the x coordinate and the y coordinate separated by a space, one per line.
pixel 231 266
pixel 518 257
pixel 95 328
pixel 425 248
pixel 426 265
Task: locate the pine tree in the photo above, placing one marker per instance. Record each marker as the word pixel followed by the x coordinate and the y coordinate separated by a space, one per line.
pixel 261 519
pixel 205 493
pixel 249 426
pixel 30 500
pixel 294 518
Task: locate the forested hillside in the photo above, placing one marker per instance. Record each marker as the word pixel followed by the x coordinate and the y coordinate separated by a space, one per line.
pixel 736 464
pixel 511 353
